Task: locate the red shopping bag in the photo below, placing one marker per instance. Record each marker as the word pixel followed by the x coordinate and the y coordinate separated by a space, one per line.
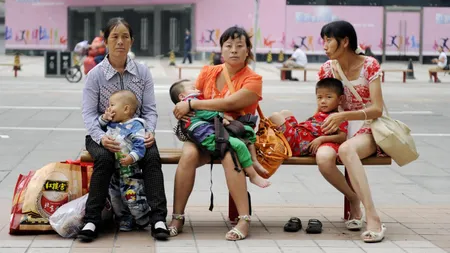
pixel 40 193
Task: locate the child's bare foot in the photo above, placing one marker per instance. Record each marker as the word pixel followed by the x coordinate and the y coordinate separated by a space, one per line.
pixel 259 181
pixel 260 169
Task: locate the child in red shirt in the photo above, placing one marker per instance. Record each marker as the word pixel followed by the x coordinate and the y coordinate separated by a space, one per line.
pixel 306 137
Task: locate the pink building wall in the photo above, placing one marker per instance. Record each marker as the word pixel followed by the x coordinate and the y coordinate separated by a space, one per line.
pixel 304 23
pixel 436 29
pixel 42 24
pixel 397 42
pixel 214 16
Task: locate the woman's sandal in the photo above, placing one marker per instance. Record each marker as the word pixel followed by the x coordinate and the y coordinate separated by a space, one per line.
pixel 173 230
pixel 372 237
pixel 293 225
pixel 354 224
pixel 234 234
pixel 314 226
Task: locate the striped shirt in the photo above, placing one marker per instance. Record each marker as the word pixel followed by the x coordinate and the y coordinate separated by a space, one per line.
pixel 103 80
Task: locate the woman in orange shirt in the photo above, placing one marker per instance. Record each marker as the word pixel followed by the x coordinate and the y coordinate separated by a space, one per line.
pixel 236 51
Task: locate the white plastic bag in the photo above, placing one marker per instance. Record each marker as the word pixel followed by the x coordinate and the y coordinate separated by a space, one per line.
pixel 81 47
pixel 67 221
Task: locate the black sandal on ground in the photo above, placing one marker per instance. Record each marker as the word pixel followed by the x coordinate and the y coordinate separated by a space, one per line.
pixel 314 226
pixel 293 225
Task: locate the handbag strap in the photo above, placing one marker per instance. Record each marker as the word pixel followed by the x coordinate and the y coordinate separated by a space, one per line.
pixel 232 90
pixel 351 88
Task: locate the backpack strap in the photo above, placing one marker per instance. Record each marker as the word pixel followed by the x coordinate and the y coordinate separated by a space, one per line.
pixel 236 128
pixel 222 142
pixel 222 147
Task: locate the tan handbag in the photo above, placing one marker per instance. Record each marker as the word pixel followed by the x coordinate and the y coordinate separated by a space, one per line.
pixel 392 136
pixel 272 148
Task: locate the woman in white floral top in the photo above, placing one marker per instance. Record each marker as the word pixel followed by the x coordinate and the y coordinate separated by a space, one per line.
pixel 341 46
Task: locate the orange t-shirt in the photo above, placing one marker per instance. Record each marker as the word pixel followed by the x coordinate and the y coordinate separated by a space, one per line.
pixel 244 79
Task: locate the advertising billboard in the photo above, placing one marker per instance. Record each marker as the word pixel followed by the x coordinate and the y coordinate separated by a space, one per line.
pixel 436 30
pixel 304 23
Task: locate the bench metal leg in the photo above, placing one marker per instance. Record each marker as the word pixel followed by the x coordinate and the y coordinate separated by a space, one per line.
pixel 304 75
pixel 346 202
pixel 283 75
pixel 404 76
pixel 179 73
pixel 382 76
pixel 435 76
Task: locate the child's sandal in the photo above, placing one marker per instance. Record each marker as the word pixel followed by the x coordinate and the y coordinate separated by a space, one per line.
pixel 235 234
pixel 173 230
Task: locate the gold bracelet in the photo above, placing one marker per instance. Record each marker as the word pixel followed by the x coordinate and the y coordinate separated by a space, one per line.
pixel 365 114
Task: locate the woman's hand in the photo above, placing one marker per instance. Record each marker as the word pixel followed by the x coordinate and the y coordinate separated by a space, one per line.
pixel 149 139
pixel 331 123
pixel 110 144
pixel 181 109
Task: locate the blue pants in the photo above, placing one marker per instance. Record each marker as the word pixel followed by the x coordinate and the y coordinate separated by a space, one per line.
pixel 187 54
pixel 128 196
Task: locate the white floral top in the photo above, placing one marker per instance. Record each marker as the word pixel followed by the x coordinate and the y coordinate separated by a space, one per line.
pixel 370 71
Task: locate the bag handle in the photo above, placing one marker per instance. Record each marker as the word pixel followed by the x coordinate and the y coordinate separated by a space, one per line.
pixel 232 90
pixel 351 88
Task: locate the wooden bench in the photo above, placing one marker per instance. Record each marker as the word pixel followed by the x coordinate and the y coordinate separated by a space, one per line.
pixel 404 71
pixel 180 67
pixel 305 72
pixel 172 156
pixel 439 71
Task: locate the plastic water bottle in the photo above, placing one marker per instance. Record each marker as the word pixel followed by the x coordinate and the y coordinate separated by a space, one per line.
pixel 125 171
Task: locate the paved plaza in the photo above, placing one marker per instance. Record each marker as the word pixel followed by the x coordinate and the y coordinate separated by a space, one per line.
pixel 40 122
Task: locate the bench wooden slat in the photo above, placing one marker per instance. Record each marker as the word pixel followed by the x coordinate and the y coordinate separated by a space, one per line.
pixel 188 67
pixel 9 64
pixel 172 156
pixel 307 69
pixel 403 71
pixel 396 70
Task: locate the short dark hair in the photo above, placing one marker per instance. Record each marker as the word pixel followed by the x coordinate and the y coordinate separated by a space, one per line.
pixel 331 83
pixel 113 23
pixel 339 30
pixel 129 98
pixel 176 89
pixel 235 32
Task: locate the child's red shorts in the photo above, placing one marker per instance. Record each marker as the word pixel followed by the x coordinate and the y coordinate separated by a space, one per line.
pixel 299 137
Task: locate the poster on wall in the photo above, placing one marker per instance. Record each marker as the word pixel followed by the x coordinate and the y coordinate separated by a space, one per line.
pixel 36 24
pixel 402 33
pixel 214 17
pixel 304 23
pixel 436 30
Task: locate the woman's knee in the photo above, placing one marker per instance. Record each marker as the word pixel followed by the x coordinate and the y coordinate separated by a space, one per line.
pixel 286 113
pixel 191 156
pixel 345 150
pixel 277 118
pixel 326 159
pixel 152 155
pixel 103 157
